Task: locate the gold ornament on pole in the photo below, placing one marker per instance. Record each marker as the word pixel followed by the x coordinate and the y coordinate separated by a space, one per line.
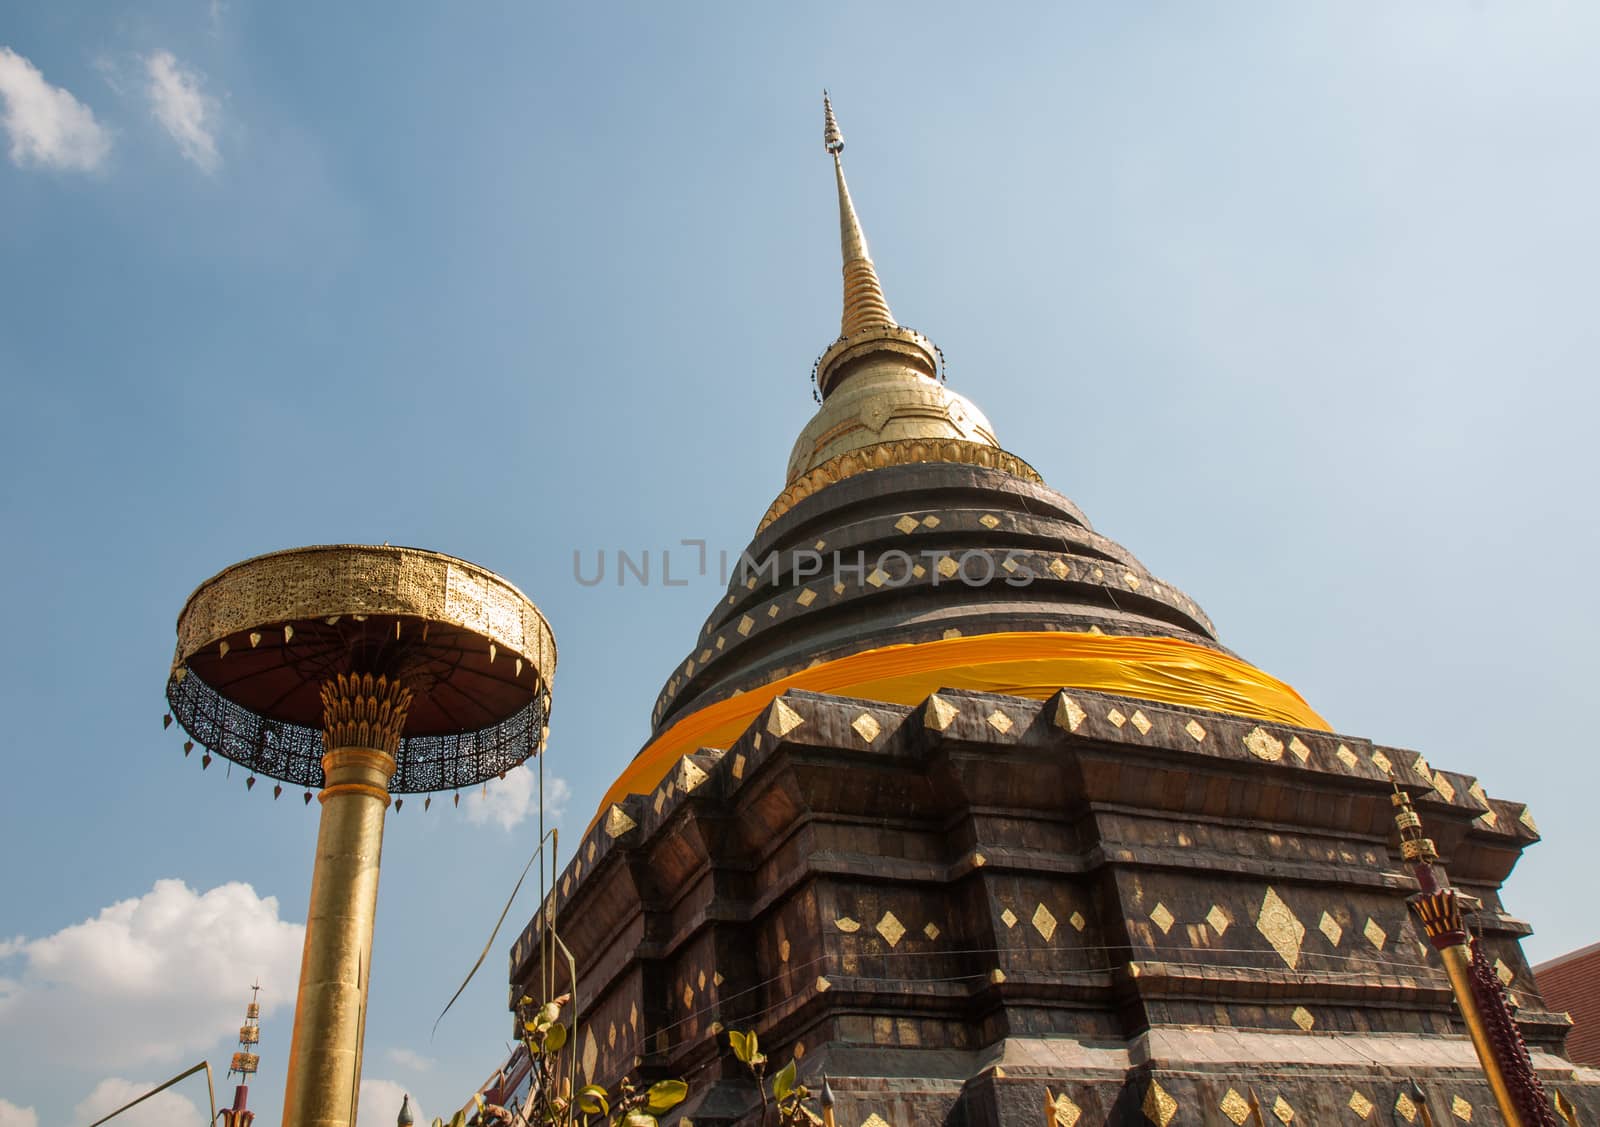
pixel 362 672
pixel 245 1062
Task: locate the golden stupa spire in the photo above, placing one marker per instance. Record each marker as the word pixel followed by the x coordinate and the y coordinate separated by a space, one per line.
pixel 864 304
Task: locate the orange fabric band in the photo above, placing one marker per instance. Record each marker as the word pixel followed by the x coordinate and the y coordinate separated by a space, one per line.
pixel 1165 670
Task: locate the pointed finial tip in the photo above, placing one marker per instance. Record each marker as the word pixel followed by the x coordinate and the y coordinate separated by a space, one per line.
pixel 832 139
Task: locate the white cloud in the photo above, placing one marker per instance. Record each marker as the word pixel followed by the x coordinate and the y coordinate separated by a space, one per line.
pixel 48 127
pixel 150 980
pixel 405 1058
pixel 379 1104
pixel 13 1116
pixel 507 802
pixel 188 114
pixel 164 1109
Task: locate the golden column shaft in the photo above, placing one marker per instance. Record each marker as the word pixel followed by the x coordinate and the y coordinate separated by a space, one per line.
pixel 1438 909
pixel 363 717
pixel 1457 961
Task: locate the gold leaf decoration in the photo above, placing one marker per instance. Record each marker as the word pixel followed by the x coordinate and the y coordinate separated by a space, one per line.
pixel 1159 1106
pixel 360 710
pixel 891 929
pixel 1068 714
pixel 1281 928
pixel 1330 928
pixel 940 713
pixel 1262 745
pixel 783 719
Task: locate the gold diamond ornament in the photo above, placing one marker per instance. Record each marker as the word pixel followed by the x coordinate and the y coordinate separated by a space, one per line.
pixel 891 929
pixel 1159 1106
pixel 1281 928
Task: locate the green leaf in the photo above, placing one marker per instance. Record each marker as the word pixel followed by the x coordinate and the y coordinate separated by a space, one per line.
pixel 555 1037
pixel 744 1045
pixel 783 1083
pixel 459 1119
pixel 592 1100
pixel 664 1095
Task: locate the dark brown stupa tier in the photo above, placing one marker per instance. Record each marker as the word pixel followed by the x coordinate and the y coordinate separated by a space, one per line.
pixel 1153 912
pixel 914 553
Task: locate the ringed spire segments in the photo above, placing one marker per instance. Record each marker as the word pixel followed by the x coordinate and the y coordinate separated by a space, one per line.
pixel 865 307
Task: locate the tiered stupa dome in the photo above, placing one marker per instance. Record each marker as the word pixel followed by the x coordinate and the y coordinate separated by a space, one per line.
pixel 908 551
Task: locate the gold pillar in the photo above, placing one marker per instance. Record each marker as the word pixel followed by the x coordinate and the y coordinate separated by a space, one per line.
pixel 1439 910
pixel 1457 961
pixel 362 720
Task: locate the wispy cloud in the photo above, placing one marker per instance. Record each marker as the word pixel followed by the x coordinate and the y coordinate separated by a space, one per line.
pixel 380 1104
pixel 509 801
pixel 48 127
pixel 13 1116
pixel 180 103
pixel 405 1058
pixel 166 1109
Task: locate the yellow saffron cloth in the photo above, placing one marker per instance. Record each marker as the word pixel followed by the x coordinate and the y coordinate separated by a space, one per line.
pixel 1033 665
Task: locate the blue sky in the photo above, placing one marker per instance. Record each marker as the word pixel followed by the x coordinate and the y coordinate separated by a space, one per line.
pixel 1297 301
